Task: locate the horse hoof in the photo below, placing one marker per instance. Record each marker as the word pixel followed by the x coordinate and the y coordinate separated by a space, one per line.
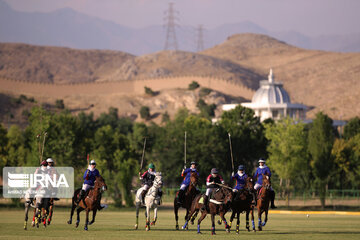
pixel 199 232
pixel 48 223
pixel 219 222
pixel 192 222
pixel 227 230
pixel 85 228
pixel 263 224
pixel 69 222
pixel 77 224
pixel 177 227
pixel 33 223
pixel 152 223
pixel 136 226
pixel 259 229
pixel 147 228
pixel 91 222
pixel 213 233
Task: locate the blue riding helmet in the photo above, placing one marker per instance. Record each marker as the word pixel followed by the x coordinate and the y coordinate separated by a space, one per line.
pixel 193 163
pixel 241 167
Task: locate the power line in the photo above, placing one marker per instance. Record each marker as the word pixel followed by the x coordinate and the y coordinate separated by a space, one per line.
pixel 170 18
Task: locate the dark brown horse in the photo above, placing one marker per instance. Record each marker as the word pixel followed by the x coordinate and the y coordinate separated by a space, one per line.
pixel 263 201
pixel 90 203
pixel 242 202
pixel 218 204
pixel 190 194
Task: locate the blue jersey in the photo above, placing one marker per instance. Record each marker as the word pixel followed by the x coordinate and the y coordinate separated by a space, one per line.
pixel 240 180
pixel 259 172
pixel 186 174
pixel 90 178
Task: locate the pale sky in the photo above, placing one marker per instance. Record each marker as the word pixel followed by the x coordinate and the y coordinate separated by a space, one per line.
pixel 310 17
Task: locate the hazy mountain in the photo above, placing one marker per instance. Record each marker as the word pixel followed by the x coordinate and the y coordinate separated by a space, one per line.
pixel 68 28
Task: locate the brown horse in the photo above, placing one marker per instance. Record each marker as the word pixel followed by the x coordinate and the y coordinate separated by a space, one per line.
pixel 190 194
pixel 242 202
pixel 263 201
pixel 90 203
pixel 218 204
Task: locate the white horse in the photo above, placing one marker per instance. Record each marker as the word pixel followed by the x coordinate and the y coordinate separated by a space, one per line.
pixel 152 200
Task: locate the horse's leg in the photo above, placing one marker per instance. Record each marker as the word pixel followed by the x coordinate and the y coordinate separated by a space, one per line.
pixel 27 205
pixel 232 218
pixel 222 216
pixel 252 219
pixel 51 211
pixel 147 228
pixel 238 223
pixel 247 220
pixel 73 206
pixel 155 216
pixel 186 220
pixel 137 215
pixel 176 208
pixel 86 219
pixel 78 216
pixel 93 216
pixel 33 219
pixel 259 219
pixel 266 218
pixel 44 215
pixel 193 216
pixel 213 224
pixel 203 215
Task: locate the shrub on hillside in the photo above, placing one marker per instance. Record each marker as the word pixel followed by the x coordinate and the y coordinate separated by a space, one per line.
pixel 59 104
pixel 145 112
pixel 204 92
pixel 194 85
pixel 149 91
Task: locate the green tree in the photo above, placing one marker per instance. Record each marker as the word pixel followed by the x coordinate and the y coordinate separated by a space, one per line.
pixel 247 135
pixel 17 152
pixel 116 163
pixel 352 128
pixel 321 139
pixel 3 147
pixel 288 155
pixel 39 123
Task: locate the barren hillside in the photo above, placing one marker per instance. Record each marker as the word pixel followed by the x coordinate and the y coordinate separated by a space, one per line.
pixel 56 64
pixel 326 80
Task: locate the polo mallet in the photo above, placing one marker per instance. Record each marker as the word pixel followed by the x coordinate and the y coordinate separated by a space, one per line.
pixel 43 146
pixel 87 158
pixel 143 155
pixel 185 151
pixel 231 153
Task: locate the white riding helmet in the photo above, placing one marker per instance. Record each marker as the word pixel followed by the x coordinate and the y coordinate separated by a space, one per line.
pixel 49 160
pixel 92 162
pixel 261 160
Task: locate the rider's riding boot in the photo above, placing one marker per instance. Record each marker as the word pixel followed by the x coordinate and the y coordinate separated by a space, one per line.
pixel 254 201
pixel 272 197
pixel 81 196
pixel 143 196
pixel 100 207
pixel 205 205
pixel 181 196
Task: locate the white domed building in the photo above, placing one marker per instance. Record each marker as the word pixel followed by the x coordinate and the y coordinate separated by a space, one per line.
pixel 272 101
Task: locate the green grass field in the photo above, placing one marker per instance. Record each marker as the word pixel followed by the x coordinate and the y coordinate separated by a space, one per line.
pixel 120 225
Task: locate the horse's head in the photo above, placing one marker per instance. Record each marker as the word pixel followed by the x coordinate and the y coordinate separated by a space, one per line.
pixel 223 194
pixel 158 180
pixel 249 184
pixel 266 182
pixel 194 179
pixel 100 183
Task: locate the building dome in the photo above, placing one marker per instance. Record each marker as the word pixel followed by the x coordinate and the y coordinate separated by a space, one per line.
pixel 270 92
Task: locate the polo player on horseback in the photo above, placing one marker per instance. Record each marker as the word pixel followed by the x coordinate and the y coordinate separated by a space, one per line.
pixel 89 176
pixel 240 178
pixel 263 169
pixel 186 173
pixel 211 183
pixel 147 178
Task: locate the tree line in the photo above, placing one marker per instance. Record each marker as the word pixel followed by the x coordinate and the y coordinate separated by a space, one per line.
pixel 301 156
